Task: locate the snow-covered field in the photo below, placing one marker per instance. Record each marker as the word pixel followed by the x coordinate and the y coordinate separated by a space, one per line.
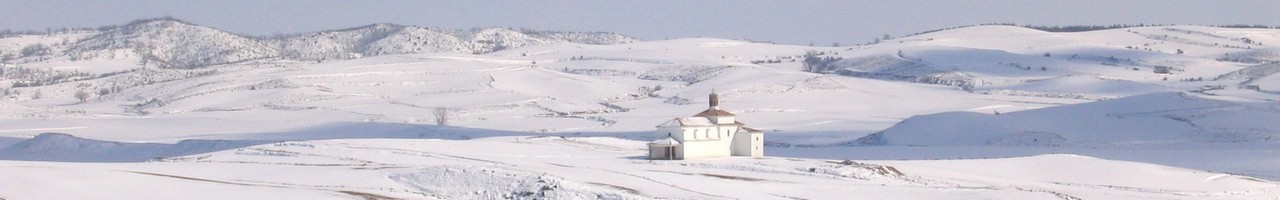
pixel 528 167
pixel 985 112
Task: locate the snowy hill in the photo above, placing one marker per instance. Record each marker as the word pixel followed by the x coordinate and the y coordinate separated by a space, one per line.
pixel 377 73
pixel 524 73
pixel 173 43
pixel 570 111
pixel 1174 129
pixel 982 57
pixel 1151 118
pixel 387 39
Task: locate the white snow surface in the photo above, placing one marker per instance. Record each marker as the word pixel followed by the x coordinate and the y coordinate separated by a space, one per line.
pixel 601 168
pixel 1150 118
pixel 350 114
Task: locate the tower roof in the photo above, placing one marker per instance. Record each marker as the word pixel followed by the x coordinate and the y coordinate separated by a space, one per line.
pixel 713 112
pixel 713 107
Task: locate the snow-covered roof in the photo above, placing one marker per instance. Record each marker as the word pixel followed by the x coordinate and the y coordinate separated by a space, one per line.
pixel 687 121
pixel 713 112
pixel 750 130
pixel 666 141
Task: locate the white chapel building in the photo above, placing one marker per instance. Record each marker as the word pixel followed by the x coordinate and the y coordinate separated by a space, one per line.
pixel 709 134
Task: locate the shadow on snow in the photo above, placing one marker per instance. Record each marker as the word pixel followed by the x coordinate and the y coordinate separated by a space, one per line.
pixel 60 147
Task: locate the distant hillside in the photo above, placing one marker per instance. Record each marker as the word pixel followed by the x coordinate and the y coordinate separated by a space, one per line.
pixel 172 43
pixel 1144 119
pixel 1000 58
pixel 386 39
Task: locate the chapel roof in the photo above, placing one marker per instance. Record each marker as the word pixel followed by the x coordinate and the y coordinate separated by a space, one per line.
pixel 713 112
pixel 687 121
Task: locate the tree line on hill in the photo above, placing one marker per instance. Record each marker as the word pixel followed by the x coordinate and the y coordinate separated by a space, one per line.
pixel 1072 28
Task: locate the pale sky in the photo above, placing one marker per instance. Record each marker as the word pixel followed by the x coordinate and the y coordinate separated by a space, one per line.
pixel 794 22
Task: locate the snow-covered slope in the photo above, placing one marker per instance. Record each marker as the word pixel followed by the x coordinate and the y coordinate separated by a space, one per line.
pixel 1266 77
pixel 601 168
pixel 985 58
pixel 617 82
pixel 1091 93
pixel 63 147
pixel 1151 118
pixel 568 86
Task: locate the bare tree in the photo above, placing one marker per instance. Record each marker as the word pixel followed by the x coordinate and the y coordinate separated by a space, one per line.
pixel 442 116
pixel 36 50
pixel 82 95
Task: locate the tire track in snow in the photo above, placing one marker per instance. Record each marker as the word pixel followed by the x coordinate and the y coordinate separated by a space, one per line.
pixel 1054 193
pixel 1163 191
pixel 203 180
pixel 361 195
pixel 366 196
pixel 1123 115
pixel 338 188
pixel 361 162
